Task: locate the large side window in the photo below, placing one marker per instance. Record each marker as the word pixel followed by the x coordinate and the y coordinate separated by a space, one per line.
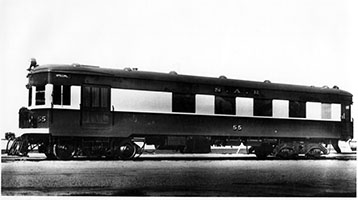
pixel 61 95
pixel 204 104
pixel 141 100
pixel 40 95
pixel 244 106
pixel 183 103
pixel 280 108
pixel 297 109
pixel 94 97
pixel 262 107
pixel 225 105
pixel 314 110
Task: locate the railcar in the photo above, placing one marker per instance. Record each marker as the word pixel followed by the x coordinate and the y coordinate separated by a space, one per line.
pixel 82 110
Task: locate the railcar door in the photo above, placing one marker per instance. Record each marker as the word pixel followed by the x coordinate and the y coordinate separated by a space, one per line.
pixel 347 129
pixel 95 106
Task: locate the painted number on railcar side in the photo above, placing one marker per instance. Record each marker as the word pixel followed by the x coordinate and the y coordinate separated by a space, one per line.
pixel 236 127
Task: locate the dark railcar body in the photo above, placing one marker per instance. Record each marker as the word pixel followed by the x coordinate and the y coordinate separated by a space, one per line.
pixel 182 121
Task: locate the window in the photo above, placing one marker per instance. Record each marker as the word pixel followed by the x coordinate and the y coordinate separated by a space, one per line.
pixel 318 110
pixel 183 103
pixel 244 106
pixel 56 95
pixel 141 100
pixel 95 97
pixel 225 105
pixel 331 111
pixel 262 107
pixel 280 108
pixel 30 96
pixel 313 110
pixel 297 109
pixel 61 95
pixel 336 112
pixel 326 111
pixel 66 95
pixel 204 104
pixel 40 95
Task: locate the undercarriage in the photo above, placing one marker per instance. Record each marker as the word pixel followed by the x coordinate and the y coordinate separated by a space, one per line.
pixel 65 148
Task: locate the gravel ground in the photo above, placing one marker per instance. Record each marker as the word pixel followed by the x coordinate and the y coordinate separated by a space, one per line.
pixel 228 176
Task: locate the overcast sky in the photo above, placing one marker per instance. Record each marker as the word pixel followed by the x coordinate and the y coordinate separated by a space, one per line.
pixel 297 42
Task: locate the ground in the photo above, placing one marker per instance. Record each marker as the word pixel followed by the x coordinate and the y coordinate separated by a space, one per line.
pixel 226 175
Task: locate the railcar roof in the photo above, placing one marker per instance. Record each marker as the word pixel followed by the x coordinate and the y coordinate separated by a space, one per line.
pixel 95 70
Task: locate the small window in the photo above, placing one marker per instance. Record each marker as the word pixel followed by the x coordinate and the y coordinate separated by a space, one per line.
pixel 262 107
pixel 30 96
pixel 297 109
pixel 56 96
pixel 183 103
pixel 61 95
pixel 225 105
pixel 40 95
pixel 66 95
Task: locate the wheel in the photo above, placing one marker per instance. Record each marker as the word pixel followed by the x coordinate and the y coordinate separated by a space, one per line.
pixel 262 151
pixel 314 153
pixel 287 153
pixel 64 151
pixel 125 150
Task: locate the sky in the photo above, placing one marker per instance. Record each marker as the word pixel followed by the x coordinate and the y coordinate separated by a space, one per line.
pixel 304 42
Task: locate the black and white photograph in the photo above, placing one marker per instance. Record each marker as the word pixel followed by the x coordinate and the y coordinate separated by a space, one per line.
pixel 178 98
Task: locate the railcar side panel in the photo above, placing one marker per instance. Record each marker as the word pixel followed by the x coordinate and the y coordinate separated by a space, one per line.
pixel 125 124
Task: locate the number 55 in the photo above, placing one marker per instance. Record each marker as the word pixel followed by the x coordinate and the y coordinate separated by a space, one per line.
pixel 237 127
